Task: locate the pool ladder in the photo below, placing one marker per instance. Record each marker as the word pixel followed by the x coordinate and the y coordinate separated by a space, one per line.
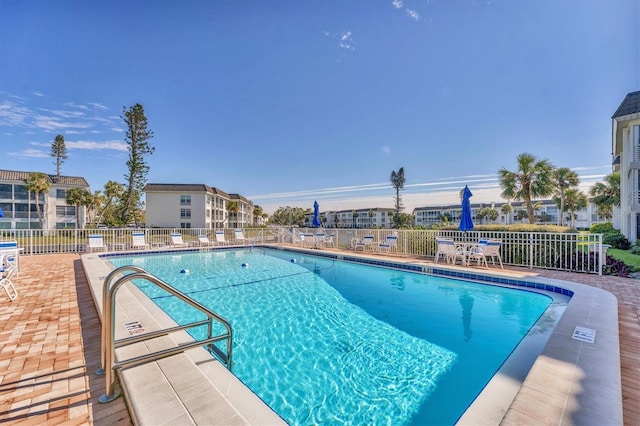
pixel 108 343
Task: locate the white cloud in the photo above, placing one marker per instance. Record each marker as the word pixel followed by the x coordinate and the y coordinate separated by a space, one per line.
pixel 53 124
pixel 12 114
pixel 397 4
pixel 29 153
pixel 443 191
pixel 97 105
pixel 74 105
pixel 63 113
pixel 346 41
pixel 93 145
pixel 413 14
pixel 37 94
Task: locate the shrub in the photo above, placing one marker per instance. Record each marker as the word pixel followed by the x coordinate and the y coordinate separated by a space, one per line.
pixel 615 239
pixel 601 228
pixel 616 267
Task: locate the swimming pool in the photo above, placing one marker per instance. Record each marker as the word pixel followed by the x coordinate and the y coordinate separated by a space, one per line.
pixel 323 341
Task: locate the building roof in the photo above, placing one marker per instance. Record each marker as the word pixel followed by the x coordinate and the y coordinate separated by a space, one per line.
pixel 630 105
pixel 240 197
pixel 53 179
pixel 183 187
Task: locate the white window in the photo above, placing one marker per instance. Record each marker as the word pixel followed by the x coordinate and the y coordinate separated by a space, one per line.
pixel 185 200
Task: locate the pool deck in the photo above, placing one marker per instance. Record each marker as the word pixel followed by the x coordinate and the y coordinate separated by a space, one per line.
pixel 50 348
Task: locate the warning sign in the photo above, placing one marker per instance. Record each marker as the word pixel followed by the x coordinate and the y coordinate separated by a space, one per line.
pixel 134 327
pixel 584 334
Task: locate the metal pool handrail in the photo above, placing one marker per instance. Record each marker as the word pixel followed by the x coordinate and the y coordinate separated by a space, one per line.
pixel 109 365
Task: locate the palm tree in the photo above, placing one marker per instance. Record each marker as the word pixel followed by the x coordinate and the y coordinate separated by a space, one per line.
pixel 606 195
pixel 398 181
pixel 507 209
pixel 371 215
pixel 232 208
pixel 533 179
pixel 257 212
pixel 78 197
pixel 574 200
pixel 94 206
pixel 355 215
pixel 564 178
pixel 38 183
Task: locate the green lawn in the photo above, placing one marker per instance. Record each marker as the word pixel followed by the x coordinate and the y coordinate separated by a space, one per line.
pixel 631 260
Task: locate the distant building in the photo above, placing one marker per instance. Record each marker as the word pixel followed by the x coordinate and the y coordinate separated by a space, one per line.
pixel 546 213
pixel 174 205
pixel 625 147
pixel 375 217
pixel 19 206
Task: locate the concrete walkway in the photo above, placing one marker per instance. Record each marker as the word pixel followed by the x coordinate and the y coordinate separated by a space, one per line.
pixel 50 337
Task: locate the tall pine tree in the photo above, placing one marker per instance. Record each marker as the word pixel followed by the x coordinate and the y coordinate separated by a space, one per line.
pixel 137 138
pixel 59 151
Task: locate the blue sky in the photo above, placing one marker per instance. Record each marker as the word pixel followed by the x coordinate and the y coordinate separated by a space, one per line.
pixel 287 102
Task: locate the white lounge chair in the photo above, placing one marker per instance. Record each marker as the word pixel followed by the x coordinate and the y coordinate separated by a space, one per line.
pixel 10 249
pixel 7 269
pixel 203 240
pixel 389 243
pixel 96 242
pixel 138 240
pixel 176 240
pixel 239 237
pixel 489 249
pixel 220 238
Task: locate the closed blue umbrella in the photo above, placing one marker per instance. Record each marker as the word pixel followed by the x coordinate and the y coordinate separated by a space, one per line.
pixel 466 223
pixel 316 215
pixel 1 212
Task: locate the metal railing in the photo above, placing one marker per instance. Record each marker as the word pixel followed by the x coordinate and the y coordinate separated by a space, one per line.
pixel 546 250
pixel 109 344
pixel 577 252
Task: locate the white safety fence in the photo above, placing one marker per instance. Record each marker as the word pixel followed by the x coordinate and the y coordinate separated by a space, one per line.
pixel 576 252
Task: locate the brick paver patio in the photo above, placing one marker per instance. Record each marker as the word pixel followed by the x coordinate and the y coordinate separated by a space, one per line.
pixel 50 346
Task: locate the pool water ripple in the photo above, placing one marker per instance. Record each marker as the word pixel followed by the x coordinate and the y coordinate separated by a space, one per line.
pixel 358 351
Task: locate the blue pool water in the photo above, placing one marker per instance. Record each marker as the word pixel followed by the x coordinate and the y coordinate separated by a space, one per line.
pixel 324 341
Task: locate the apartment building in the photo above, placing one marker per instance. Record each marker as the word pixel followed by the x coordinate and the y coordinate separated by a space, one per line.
pixel 625 148
pixel 546 213
pixel 19 205
pixel 357 218
pixel 173 205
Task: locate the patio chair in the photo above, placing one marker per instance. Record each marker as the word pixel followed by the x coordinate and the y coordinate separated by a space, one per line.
pixel 7 269
pixel 389 243
pixel 239 237
pixel 138 240
pixel 447 247
pixel 319 239
pixel 203 240
pixel 489 249
pixel 365 244
pixel 12 252
pixel 96 242
pixel 307 240
pixel 220 238
pixel 176 240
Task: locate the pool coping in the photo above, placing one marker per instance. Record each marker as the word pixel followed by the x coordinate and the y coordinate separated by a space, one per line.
pixel 571 381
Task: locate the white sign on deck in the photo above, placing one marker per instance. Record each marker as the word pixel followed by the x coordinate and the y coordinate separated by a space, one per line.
pixel 134 327
pixel 584 334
